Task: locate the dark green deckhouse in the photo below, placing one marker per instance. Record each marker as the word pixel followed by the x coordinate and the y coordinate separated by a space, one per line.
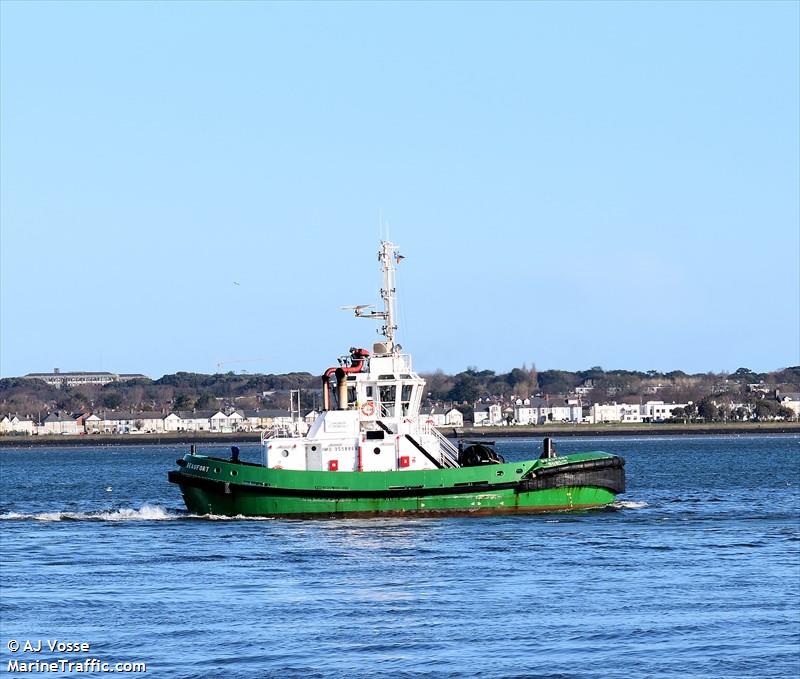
pixel 372 452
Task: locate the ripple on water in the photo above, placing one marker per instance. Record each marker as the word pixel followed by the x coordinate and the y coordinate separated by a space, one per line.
pixel 692 573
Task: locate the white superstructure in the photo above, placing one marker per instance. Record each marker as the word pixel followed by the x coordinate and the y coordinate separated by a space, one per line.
pixel 371 419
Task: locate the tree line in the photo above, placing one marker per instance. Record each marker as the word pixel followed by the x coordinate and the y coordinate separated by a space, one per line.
pixel 188 391
pixel 601 385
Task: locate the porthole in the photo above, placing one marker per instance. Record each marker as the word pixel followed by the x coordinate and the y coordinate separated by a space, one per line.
pixel 499 472
pixel 377 451
pixel 519 470
pixel 285 453
pixel 313 447
pixel 234 472
pixel 216 470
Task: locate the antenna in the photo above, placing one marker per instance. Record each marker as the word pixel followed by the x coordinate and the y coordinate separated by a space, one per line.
pixel 388 256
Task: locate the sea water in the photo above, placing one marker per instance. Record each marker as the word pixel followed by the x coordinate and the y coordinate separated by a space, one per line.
pixel 694 572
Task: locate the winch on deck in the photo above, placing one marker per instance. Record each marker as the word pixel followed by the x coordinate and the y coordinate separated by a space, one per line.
pixel 478 453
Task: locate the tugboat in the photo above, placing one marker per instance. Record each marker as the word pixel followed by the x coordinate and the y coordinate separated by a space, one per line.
pixel 371 452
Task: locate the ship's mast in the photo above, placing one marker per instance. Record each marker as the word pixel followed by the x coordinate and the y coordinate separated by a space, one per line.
pixel 388 256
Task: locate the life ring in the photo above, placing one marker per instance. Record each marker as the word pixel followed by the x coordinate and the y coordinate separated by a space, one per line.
pixel 368 409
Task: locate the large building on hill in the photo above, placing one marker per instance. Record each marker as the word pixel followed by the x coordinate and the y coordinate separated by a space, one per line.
pixel 58 379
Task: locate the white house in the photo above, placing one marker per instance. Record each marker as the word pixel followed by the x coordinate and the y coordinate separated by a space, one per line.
pixel 187 420
pixel 604 412
pixel 488 414
pixel 124 422
pixel 447 418
pixel 59 423
pixel 241 421
pixel 791 401
pixel 562 410
pixel 173 422
pixel 630 412
pixel 234 421
pixel 109 423
pixel 219 422
pixel 237 421
pixel 197 420
pixel 92 424
pixel 13 424
pixel 542 411
pixel 658 411
pixel 149 421
pixel 526 414
pixel 615 412
pixel 530 411
pixel 25 425
pixel 115 423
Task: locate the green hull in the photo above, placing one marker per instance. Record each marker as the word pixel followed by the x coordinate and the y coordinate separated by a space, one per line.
pixel 220 487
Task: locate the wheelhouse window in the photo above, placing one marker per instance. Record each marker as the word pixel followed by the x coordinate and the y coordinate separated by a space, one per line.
pixel 405 398
pixel 388 395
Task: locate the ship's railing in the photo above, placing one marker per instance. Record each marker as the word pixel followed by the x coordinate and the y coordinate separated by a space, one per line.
pixel 282 431
pixel 448 453
pixel 448 450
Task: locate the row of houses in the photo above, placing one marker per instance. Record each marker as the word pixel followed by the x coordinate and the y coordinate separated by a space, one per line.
pixel 537 411
pixel 190 421
pixel 534 411
pixel 528 412
pixel 150 422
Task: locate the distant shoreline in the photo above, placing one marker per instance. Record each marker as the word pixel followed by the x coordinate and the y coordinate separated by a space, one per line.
pixel 556 431
pixel 591 430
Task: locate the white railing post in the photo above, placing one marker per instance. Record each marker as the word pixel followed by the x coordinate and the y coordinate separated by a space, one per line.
pixel 449 451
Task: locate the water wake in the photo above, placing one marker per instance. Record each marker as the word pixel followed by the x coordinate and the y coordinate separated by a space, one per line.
pixel 145 513
pixel 628 504
pixel 148 512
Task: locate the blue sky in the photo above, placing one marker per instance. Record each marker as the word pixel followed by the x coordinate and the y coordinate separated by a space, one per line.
pixel 572 184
